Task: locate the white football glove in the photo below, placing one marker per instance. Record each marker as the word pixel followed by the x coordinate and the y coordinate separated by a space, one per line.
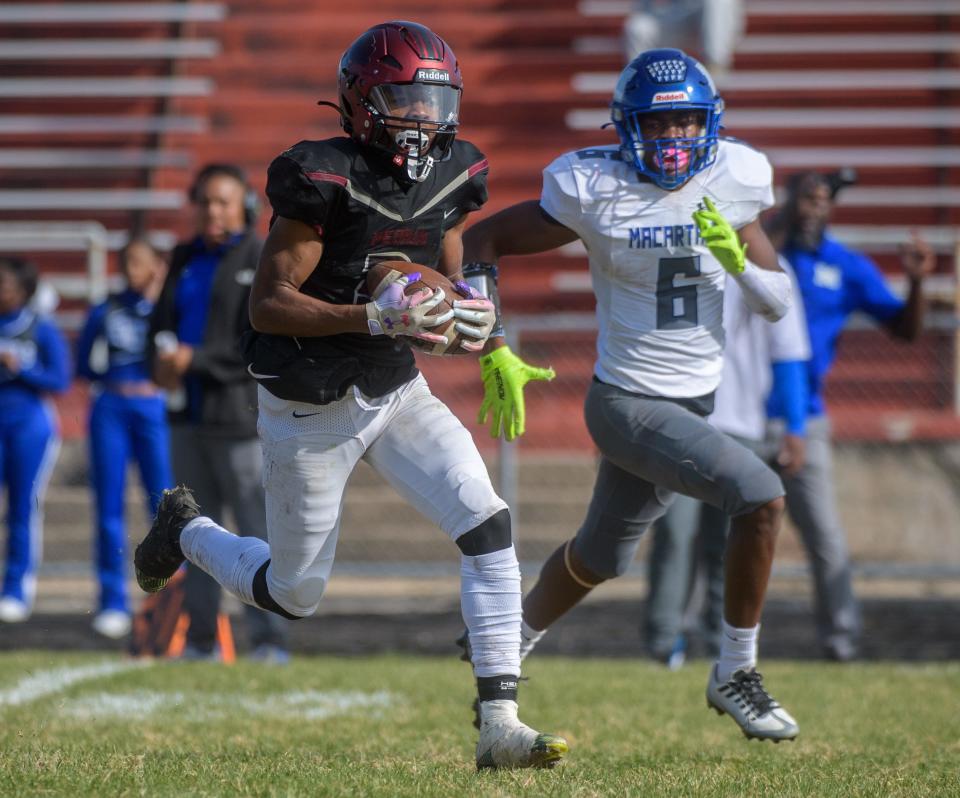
pixel 475 316
pixel 393 313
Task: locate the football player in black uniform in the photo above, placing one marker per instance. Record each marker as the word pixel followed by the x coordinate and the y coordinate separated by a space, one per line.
pixel 337 382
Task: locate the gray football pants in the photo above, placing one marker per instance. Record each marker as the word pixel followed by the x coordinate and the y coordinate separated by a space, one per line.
pixel 811 503
pixel 687 552
pixel 223 473
pixel 652 449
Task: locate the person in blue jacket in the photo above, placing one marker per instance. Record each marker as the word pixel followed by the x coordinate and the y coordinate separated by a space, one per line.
pixel 34 363
pixel 127 420
pixel 835 282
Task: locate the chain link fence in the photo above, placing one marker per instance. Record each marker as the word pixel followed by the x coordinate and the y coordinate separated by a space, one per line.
pixel 897 454
pixel 897 462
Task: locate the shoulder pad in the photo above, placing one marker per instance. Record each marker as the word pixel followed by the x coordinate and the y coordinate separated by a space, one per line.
pixel 745 164
pixel 329 155
pixel 464 155
pixel 597 152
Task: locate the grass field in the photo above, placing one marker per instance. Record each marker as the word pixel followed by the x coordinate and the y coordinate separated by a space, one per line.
pixel 84 725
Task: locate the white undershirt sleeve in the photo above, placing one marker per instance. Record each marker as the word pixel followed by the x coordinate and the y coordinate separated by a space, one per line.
pixel 767 293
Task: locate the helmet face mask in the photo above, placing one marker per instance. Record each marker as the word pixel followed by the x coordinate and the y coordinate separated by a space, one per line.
pixel 667 113
pixel 400 90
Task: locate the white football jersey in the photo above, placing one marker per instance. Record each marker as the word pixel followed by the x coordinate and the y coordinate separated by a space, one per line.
pixel 753 346
pixel 659 290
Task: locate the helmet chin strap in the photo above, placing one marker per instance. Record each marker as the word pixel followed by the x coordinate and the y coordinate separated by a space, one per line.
pixel 413 142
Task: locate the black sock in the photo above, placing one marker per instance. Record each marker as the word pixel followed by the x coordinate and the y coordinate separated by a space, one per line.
pixel 497 688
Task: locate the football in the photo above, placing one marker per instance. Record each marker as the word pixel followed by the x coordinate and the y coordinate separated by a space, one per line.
pixel 380 274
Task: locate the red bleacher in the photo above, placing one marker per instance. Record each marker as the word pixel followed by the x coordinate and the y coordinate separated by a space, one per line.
pixel 520 61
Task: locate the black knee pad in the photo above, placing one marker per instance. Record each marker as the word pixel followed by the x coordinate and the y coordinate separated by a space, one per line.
pixel 492 535
pixel 264 600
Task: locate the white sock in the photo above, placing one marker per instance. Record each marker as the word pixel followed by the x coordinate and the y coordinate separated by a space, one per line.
pixel 231 560
pixel 528 638
pixel 738 650
pixel 490 602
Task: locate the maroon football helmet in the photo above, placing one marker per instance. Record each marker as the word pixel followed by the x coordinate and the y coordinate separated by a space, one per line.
pixel 400 91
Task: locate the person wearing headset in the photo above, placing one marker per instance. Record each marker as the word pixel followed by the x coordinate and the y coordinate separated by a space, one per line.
pixel 194 330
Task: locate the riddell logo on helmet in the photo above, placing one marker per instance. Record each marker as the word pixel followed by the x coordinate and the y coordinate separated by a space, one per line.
pixel 670 96
pixel 433 74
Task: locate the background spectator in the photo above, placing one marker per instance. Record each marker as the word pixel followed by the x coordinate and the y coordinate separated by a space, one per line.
pixel 195 330
pixel 834 282
pixel 709 31
pixel 33 364
pixel 127 420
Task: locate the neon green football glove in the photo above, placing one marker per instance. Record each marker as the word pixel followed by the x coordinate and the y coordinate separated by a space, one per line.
pixel 721 239
pixel 504 376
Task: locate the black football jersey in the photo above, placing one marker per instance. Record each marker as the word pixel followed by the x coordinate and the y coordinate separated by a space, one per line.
pixel 365 211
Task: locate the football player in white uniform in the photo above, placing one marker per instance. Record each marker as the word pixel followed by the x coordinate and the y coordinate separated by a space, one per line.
pixel 665 216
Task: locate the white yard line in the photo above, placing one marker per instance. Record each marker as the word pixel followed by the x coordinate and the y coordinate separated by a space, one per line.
pixel 136 705
pixel 46 683
pixel 306 704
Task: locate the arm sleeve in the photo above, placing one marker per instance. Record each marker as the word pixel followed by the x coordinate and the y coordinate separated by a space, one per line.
pixel 767 293
pixel 304 197
pixel 788 337
pixel 873 296
pixel 790 394
pixel 560 197
pixel 92 329
pixel 51 372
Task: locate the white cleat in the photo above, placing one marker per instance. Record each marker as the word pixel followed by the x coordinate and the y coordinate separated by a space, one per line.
pixel 753 709
pixel 505 742
pixel 12 610
pixel 112 623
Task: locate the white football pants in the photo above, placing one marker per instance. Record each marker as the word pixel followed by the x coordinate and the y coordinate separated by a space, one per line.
pixel 309 451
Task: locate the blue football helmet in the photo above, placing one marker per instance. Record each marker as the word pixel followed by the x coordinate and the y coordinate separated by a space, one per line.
pixel 666 80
